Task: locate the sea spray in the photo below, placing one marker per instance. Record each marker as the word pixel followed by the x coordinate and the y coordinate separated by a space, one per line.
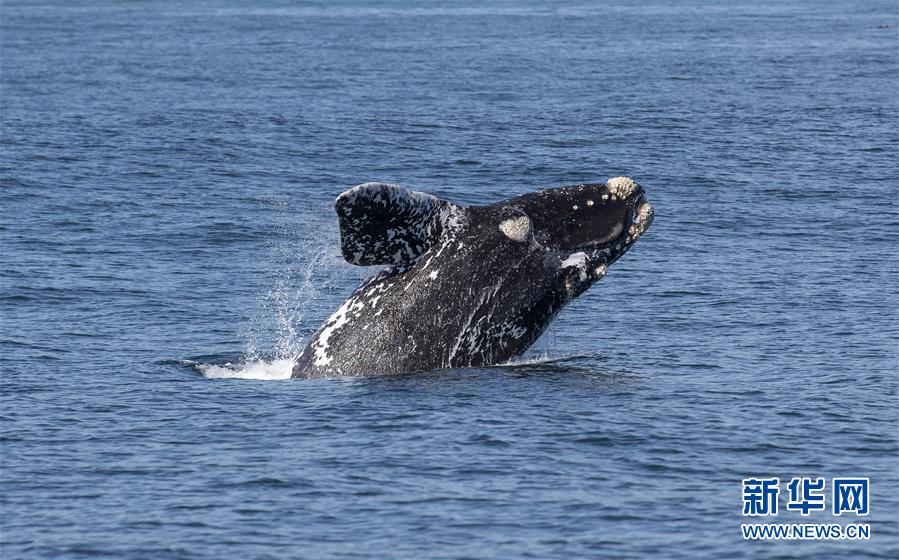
pixel 301 267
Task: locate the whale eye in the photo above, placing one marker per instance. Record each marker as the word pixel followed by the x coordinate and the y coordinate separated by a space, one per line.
pixel 575 207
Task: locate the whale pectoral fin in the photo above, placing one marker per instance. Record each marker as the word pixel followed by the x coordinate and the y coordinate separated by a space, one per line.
pixel 382 223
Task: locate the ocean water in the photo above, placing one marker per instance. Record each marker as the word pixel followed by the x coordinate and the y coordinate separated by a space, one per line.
pixel 168 243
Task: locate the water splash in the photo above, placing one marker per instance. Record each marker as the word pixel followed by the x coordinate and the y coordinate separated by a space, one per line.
pixel 258 369
pixel 299 270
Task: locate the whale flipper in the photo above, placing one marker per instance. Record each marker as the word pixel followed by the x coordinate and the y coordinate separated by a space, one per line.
pixel 383 224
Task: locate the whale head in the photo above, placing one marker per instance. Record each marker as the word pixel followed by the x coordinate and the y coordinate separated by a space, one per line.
pixel 601 221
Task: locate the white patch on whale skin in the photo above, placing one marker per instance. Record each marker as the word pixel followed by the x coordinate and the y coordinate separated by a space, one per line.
pixel 337 320
pixel 621 187
pixel 469 334
pixel 516 229
pixel 453 219
pixel 579 261
pixel 443 246
pixel 575 259
pixel 513 331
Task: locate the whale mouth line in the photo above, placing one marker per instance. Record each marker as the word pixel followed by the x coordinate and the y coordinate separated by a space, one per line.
pixel 638 218
pixel 597 245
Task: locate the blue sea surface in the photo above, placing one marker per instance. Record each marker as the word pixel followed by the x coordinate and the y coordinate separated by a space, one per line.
pixel 168 243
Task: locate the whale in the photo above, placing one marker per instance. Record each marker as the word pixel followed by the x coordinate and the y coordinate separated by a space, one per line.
pixel 466 286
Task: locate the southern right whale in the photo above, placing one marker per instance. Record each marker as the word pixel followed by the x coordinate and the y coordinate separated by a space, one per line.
pixel 466 286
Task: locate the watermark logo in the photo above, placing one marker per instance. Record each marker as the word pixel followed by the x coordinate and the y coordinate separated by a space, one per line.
pixel 760 496
pixel 805 531
pixel 806 495
pixel 850 495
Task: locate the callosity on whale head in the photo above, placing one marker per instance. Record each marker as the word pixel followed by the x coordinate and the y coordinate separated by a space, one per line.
pixel 466 286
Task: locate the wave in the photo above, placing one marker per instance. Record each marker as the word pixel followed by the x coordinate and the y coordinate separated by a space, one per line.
pixel 546 358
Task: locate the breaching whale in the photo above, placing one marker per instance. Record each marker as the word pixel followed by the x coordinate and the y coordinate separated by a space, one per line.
pixel 466 286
